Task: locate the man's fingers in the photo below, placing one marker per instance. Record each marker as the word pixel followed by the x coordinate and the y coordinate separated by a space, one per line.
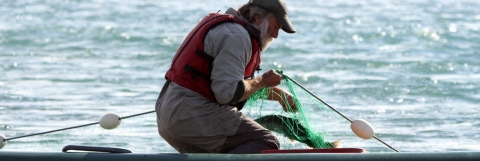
pixel 280 72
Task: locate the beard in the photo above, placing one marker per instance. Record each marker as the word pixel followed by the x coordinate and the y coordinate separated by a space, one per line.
pixel 265 38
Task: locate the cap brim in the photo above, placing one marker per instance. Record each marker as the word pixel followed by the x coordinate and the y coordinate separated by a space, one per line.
pixel 286 25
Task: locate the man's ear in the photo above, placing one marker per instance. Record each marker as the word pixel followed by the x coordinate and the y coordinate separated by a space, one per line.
pixel 258 20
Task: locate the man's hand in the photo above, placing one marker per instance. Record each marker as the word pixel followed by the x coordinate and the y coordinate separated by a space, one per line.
pixel 284 98
pixel 270 79
pixel 289 102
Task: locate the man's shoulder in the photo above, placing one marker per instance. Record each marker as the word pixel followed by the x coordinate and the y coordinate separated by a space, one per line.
pixel 229 28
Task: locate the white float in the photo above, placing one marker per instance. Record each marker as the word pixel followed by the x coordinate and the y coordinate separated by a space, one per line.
pixel 362 129
pixel 2 142
pixel 110 121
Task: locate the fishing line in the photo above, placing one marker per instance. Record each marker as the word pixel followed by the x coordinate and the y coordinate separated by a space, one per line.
pixel 73 127
pixel 338 112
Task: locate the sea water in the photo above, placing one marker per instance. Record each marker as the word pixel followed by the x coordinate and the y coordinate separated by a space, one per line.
pixel 411 68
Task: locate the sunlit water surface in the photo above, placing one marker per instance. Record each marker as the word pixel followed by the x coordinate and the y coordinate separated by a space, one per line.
pixel 411 68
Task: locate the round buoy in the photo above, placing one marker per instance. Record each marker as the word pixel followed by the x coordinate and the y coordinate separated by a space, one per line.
pixel 362 129
pixel 2 141
pixel 110 121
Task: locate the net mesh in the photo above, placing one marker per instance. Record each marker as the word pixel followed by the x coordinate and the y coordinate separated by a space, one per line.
pixel 313 125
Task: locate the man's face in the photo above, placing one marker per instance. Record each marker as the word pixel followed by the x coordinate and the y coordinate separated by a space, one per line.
pixel 269 31
pixel 273 27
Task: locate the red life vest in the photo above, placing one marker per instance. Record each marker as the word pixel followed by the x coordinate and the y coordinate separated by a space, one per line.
pixel 191 67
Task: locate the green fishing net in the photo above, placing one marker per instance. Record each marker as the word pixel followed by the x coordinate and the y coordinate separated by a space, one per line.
pixel 313 125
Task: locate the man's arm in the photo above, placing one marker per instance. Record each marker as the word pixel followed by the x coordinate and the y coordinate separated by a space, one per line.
pixel 269 79
pixel 283 97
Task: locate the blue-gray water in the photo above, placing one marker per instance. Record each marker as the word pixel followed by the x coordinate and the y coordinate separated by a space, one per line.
pixel 411 68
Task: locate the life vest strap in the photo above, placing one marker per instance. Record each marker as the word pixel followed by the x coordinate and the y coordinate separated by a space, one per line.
pixel 205 56
pixel 196 73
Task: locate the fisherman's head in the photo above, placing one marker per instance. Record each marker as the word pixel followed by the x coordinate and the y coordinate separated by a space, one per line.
pixel 269 16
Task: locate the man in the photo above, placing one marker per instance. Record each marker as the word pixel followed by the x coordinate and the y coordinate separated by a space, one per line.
pixel 198 109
